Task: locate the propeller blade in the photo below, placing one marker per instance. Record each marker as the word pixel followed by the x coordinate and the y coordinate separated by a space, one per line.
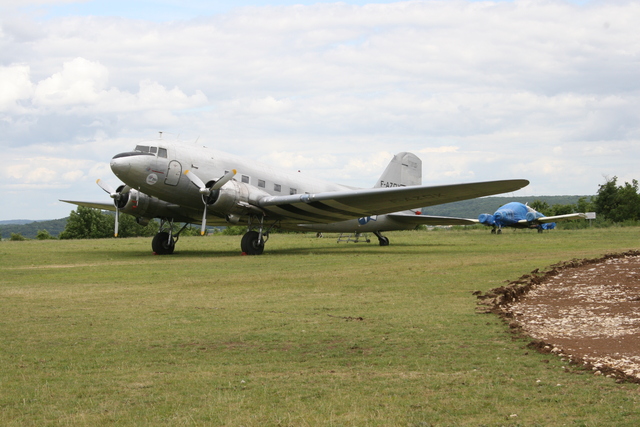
pixel 197 181
pixel 204 220
pixel 115 234
pixel 106 187
pixel 225 178
pixel 115 196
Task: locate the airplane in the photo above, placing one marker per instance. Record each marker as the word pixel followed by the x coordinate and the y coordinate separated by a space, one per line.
pixel 519 215
pixel 183 183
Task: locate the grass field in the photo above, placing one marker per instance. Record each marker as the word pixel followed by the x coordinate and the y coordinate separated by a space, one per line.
pixel 311 333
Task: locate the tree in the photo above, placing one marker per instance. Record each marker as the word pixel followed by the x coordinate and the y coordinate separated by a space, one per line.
pixel 17 237
pixel 618 203
pixel 559 209
pixel 44 235
pixel 540 206
pixel 129 227
pixel 582 205
pixel 87 223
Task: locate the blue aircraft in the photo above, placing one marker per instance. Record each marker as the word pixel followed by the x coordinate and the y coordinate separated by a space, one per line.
pixel 518 215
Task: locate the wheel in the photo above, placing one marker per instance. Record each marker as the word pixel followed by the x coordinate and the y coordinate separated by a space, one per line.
pixel 384 241
pixel 162 244
pixel 251 243
pixel 499 231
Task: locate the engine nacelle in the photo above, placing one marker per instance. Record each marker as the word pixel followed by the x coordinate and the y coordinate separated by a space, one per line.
pixel 143 206
pixel 235 198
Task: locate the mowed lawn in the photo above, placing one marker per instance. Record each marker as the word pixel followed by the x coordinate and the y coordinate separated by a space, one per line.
pixel 312 333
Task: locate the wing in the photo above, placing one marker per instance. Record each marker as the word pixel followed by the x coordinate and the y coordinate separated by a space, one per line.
pixel 105 206
pixel 548 219
pixel 342 205
pixel 430 219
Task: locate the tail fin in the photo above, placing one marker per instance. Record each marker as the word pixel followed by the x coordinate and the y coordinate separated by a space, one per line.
pixel 404 169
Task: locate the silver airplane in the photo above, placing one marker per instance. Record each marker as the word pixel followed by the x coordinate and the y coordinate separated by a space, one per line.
pixel 183 183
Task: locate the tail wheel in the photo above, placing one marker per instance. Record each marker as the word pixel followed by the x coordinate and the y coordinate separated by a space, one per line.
pixel 383 240
pixel 163 244
pixel 252 244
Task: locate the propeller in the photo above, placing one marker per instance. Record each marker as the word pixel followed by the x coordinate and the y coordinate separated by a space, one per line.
pixel 206 191
pixel 115 196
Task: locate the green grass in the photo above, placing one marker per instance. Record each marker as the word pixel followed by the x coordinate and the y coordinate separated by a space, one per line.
pixel 102 332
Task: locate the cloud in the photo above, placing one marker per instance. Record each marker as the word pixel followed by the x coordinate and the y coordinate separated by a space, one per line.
pixel 546 91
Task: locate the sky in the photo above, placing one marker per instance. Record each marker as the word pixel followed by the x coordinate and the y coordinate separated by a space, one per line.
pixel 545 90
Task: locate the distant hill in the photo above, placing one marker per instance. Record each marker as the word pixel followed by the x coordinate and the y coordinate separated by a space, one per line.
pixel 474 207
pixel 16 221
pixel 29 229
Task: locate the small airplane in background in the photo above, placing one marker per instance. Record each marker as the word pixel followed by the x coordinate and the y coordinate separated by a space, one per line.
pixel 519 215
pixel 189 184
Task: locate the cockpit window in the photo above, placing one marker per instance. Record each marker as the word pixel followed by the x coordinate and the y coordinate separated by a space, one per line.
pixel 161 152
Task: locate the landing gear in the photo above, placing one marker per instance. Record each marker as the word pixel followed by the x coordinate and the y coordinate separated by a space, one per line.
pixel 383 240
pixel 253 240
pixel 164 242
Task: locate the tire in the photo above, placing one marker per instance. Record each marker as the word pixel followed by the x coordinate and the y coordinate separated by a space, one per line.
pixel 252 244
pixel 161 244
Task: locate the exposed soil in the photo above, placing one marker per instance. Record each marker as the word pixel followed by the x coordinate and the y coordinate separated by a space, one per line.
pixel 586 311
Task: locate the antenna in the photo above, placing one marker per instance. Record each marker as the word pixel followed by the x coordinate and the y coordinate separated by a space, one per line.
pixel 160 134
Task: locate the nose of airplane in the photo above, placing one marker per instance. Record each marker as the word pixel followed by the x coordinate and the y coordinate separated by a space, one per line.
pixel 120 165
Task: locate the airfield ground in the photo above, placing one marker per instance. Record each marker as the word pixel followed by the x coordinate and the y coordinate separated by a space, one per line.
pixel 312 333
pixel 585 311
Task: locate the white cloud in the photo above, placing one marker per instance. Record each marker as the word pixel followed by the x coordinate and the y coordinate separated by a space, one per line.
pixel 546 91
pixel 15 85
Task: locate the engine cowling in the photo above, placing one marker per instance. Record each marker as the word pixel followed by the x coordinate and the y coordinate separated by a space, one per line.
pixel 143 206
pixel 234 199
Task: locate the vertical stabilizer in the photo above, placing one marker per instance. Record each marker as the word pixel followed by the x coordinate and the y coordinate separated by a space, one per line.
pixel 405 169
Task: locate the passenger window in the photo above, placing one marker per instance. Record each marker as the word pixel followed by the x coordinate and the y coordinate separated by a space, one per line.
pixel 293 191
pixel 261 183
pixel 277 187
pixel 245 179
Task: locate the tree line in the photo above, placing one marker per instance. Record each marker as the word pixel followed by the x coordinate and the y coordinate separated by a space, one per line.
pixel 613 204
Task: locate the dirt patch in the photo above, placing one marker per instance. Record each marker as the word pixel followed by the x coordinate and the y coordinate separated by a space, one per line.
pixel 586 311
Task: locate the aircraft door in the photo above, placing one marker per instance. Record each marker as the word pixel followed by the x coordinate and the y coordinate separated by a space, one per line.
pixel 173 173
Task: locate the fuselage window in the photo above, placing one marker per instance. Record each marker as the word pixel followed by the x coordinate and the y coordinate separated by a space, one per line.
pixel 162 152
pixel 277 187
pixel 293 191
pixel 245 179
pixel 261 183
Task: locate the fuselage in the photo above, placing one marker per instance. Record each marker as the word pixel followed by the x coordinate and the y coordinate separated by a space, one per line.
pixel 157 168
